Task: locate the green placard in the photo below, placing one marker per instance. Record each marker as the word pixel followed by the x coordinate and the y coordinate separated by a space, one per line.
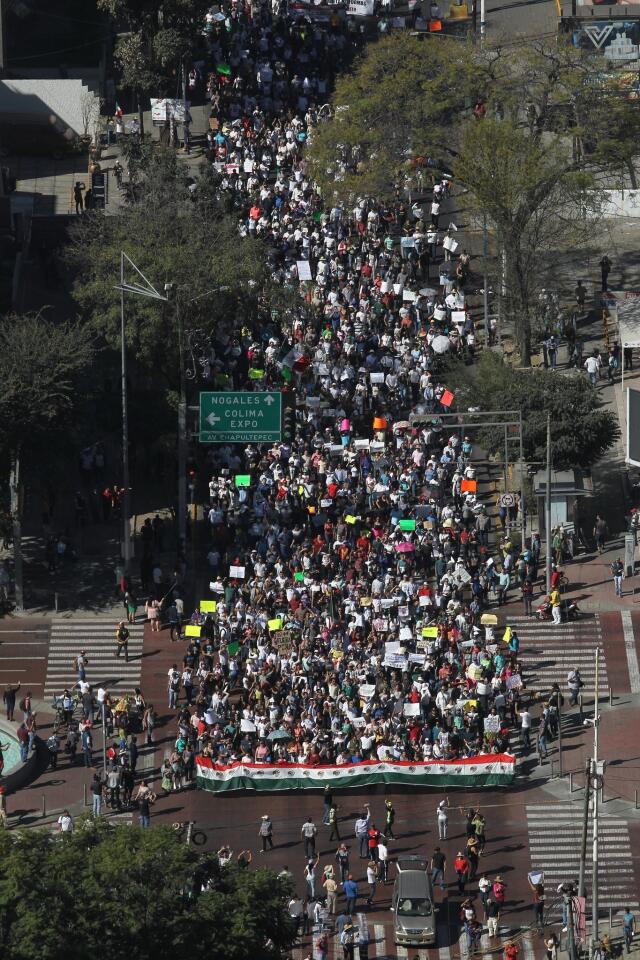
pixel 236 417
pixel 407 524
pixel 243 480
pixel 299 577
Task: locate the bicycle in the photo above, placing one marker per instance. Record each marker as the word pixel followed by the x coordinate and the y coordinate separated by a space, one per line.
pixel 185 828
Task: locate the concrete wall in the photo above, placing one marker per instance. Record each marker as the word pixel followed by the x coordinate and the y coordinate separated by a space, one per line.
pixel 49 101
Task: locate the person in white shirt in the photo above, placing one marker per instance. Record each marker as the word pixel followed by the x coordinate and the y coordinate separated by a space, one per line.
pixel 592 366
pixel 65 822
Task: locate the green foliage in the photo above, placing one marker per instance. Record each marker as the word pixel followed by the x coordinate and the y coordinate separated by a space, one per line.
pixel 172 239
pixel 531 166
pixel 136 67
pixel 112 892
pixel 39 367
pixel 581 431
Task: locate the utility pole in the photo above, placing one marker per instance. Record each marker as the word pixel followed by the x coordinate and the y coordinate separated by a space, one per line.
pixel 126 480
pixel 182 441
pixel 547 504
pixel 523 511
pixel 485 248
pixel 483 25
pixel 559 702
pixel 596 777
pixel 144 289
pixel 567 896
pixel 585 828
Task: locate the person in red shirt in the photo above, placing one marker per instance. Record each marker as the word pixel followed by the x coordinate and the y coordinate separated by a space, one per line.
pixel 511 951
pixel 461 867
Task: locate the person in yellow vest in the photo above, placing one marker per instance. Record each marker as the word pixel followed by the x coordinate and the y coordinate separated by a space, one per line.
pixel 556 605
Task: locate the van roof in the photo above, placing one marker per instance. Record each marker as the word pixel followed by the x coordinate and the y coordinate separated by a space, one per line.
pixel 420 864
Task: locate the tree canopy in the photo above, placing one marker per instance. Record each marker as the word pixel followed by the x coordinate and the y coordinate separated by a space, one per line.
pixel 114 892
pixel 581 430
pixel 532 165
pixel 173 236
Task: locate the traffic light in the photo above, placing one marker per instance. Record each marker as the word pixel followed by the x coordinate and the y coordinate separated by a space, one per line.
pixel 288 426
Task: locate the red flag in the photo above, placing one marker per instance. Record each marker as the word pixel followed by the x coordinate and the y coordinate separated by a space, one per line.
pixel 447 398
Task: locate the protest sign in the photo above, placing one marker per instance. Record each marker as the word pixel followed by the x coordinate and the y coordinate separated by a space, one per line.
pixel 236 573
pixel 208 606
pixel 492 724
pixel 411 709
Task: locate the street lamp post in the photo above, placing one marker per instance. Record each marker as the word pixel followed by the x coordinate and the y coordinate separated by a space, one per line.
pixel 148 290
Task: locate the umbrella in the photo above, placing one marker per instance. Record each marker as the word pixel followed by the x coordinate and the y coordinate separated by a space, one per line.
pixel 441 344
pixel 401 425
pixel 448 523
pixel 279 735
pixel 428 292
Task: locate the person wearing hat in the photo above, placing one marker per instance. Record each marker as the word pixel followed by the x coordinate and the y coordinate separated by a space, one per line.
pixel 265 832
pixel 461 867
pixel 347 940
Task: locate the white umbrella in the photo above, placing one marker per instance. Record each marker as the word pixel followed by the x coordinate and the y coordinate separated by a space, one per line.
pixel 428 292
pixel 441 344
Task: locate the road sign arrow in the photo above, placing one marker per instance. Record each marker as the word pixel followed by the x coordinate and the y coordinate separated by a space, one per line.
pixel 213 419
pixel 269 400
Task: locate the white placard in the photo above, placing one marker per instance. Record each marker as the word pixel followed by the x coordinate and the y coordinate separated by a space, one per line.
pixel 409 295
pixel 326 503
pixel 361 444
pixel 417 658
pixel 236 572
pixel 424 600
pixel 377 445
pixel 360 8
pixel 458 316
pixel 376 377
pixel 406 633
pixel 392 646
pixel 387 602
pixel 359 722
pixel 411 710
pixel 304 270
pixel 492 724
pixel 514 682
pixel 395 660
pixel 367 690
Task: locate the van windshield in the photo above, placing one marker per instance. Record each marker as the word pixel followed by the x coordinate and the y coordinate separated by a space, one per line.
pixel 414 907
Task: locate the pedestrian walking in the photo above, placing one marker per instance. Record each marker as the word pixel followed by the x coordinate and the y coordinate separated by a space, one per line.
pixel 617 569
pixel 473 856
pixel 551 945
pixel 605 270
pixel 575 684
pixel 342 857
pixel 361 831
pixel 372 879
pixel 174 686
pixel 492 913
pixel 543 751
pixel 327 802
pixel 331 891
pixel 556 606
pixel 538 903
pixel 461 867
pixel 480 825
pixel 87 745
pixel 9 699
pixel 499 890
pixel 347 941
pixel 600 531
pixel 53 746
pixel 443 818
pixel 383 859
pixel 527 596
pixel 628 928
pixel 308 832
pixel 333 822
pixel 525 730
pixel 265 832
pixel 511 951
pixel 350 888
pixel 438 867
pixel 96 795
pixel 390 816
pixel 122 641
pixel 310 876
pixel 65 823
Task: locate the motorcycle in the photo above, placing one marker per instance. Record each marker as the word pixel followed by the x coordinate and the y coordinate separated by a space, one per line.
pixel 569 610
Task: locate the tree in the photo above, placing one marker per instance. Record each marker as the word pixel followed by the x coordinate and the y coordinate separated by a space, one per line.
pixel 534 165
pixel 581 430
pixel 172 239
pixel 162 34
pixel 125 891
pixel 40 364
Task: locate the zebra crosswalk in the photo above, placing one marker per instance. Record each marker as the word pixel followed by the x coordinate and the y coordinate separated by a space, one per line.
pixel 549 652
pixel 378 943
pixel 97 637
pixel 555 832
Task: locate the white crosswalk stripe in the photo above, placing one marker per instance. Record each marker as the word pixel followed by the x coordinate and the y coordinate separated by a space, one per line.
pixel 555 832
pixel 97 637
pixel 548 653
pixel 382 946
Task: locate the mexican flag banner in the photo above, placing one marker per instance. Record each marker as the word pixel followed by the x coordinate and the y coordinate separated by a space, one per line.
pixel 490 770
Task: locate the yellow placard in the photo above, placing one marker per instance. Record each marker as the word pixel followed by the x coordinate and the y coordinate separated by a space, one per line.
pixel 350 519
pixel 429 631
pixel 489 620
pixel 337 654
pixel 275 624
pixel 192 630
pixel 506 636
pixel 208 606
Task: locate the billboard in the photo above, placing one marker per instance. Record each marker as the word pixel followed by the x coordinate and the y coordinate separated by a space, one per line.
pixel 617 40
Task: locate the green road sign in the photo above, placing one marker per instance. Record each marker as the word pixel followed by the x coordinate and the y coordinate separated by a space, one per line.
pixel 231 417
